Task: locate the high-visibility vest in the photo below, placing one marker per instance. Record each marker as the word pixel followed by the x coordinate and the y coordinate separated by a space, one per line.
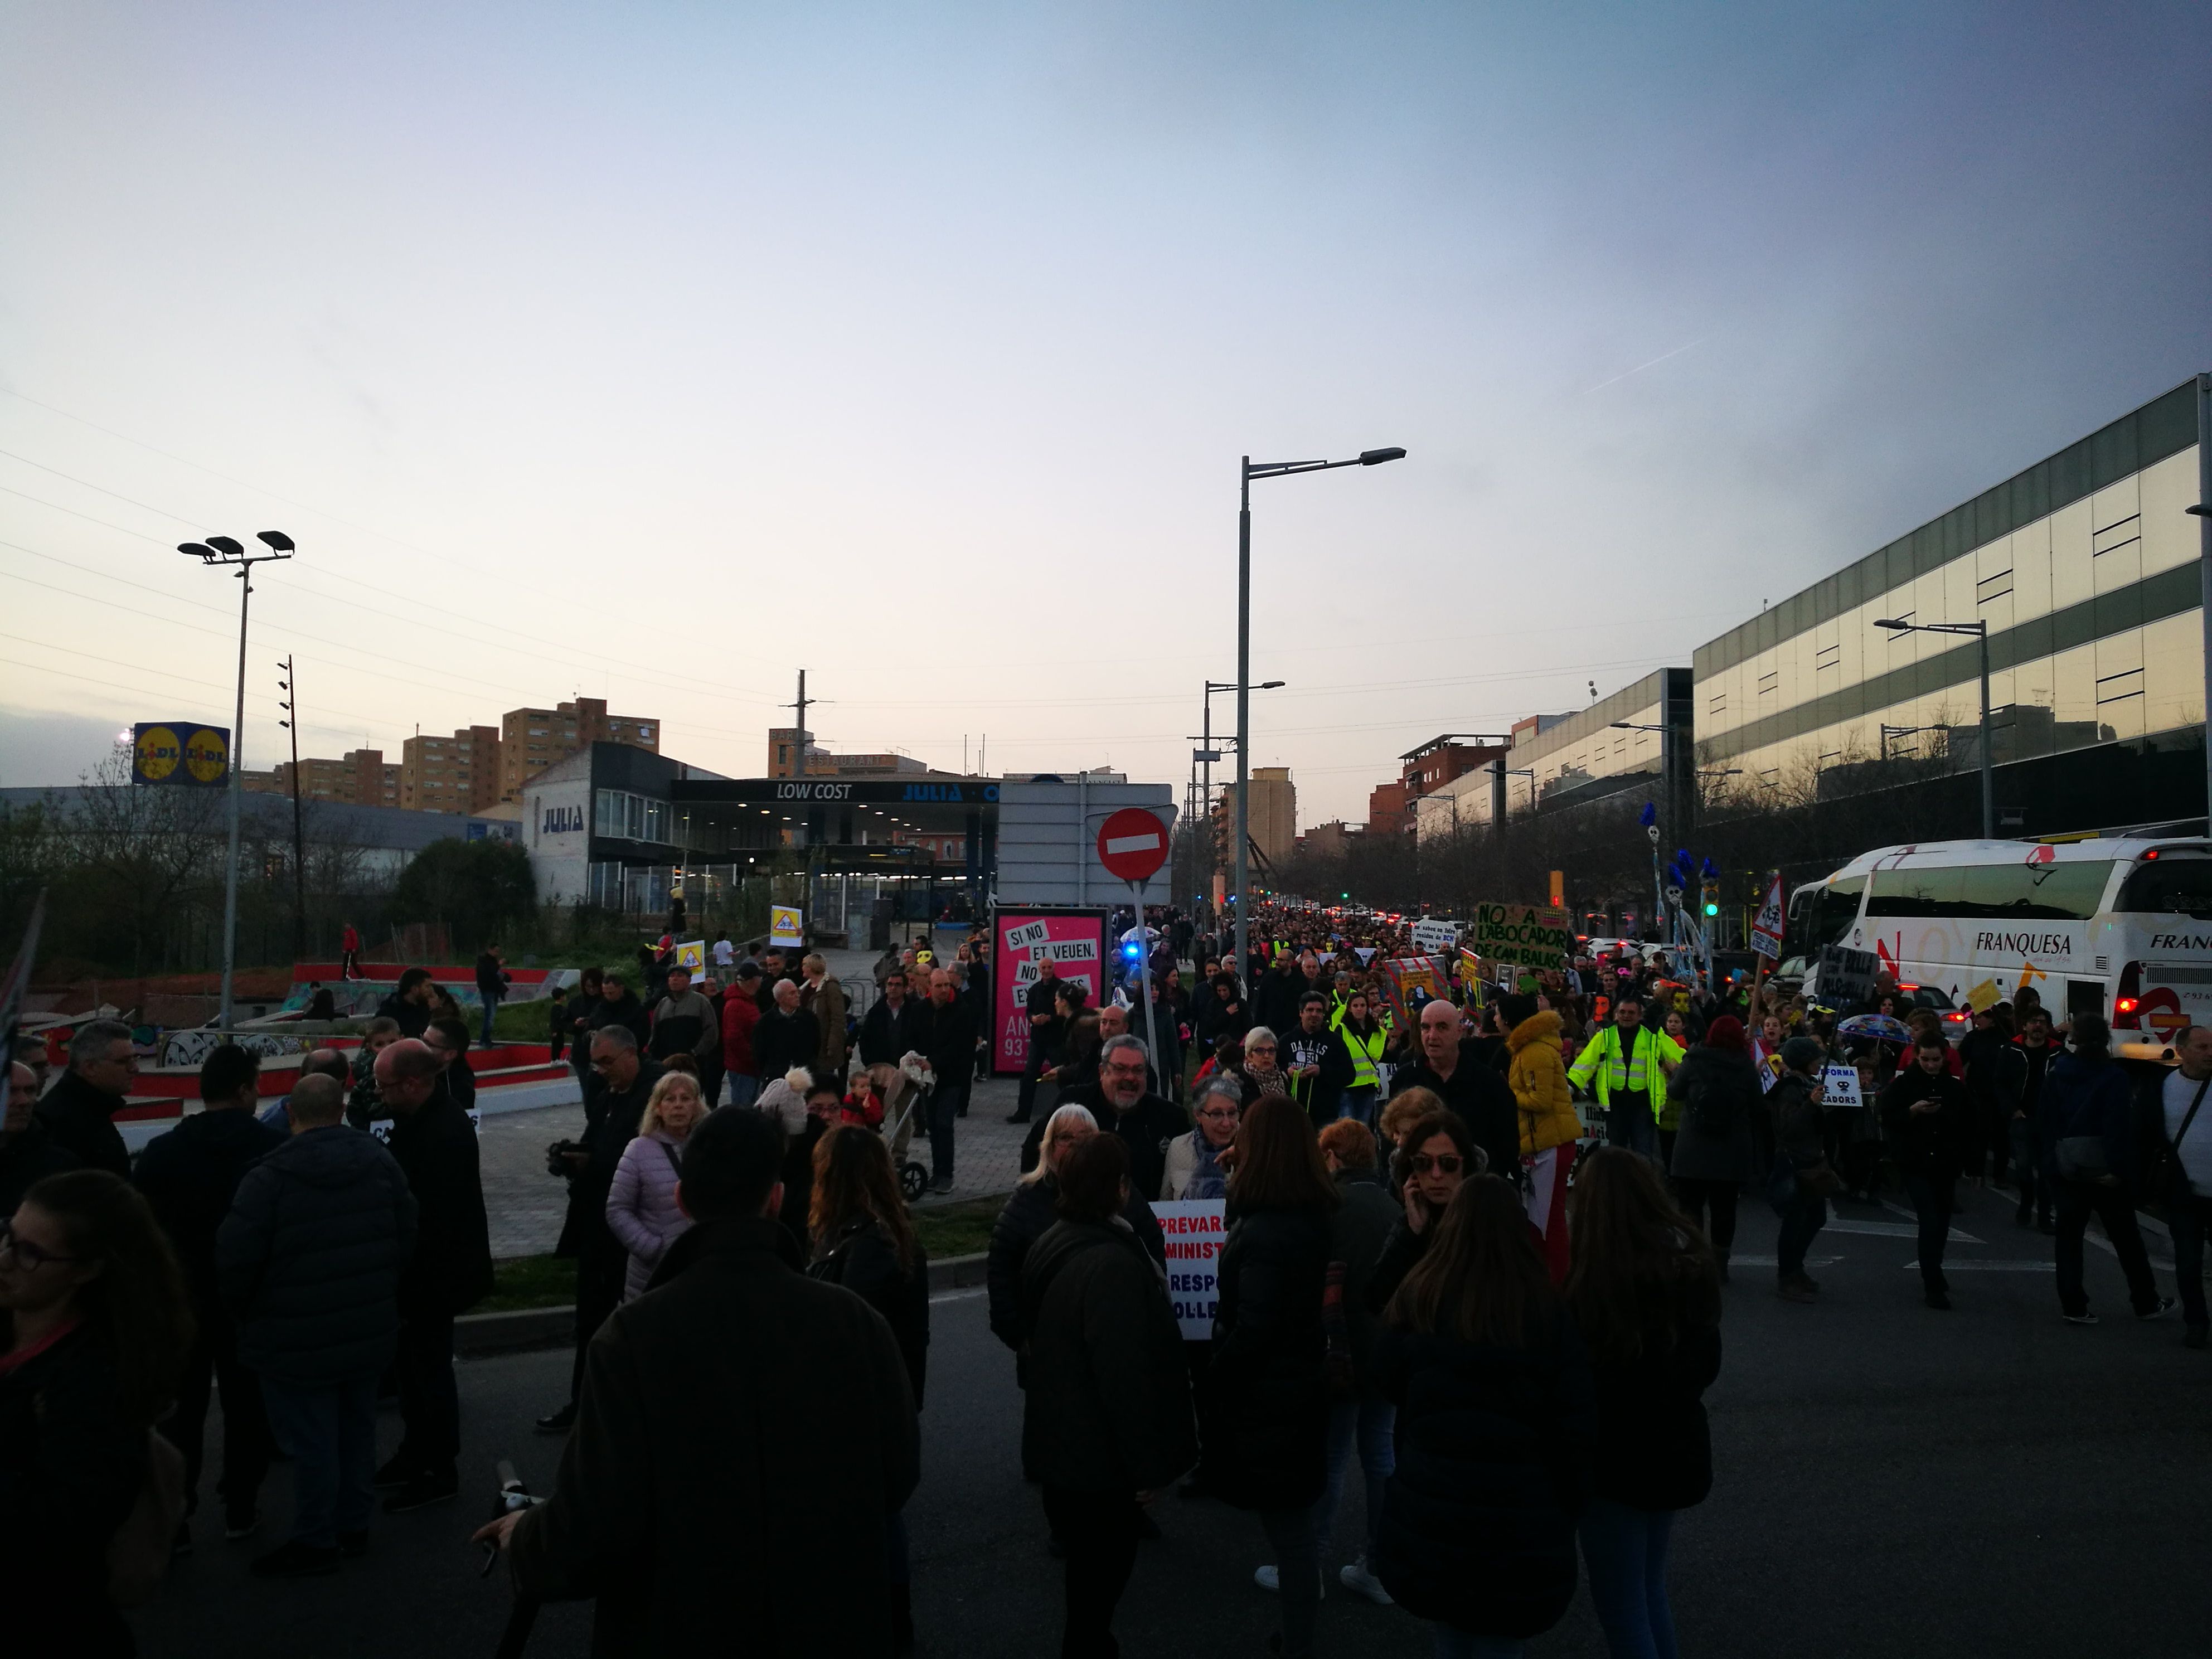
pixel 1636 1070
pixel 1365 1052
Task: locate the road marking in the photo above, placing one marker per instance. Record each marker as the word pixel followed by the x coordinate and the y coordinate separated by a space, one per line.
pixel 1769 1262
pixel 1990 1266
pixel 962 1295
pixel 1893 1230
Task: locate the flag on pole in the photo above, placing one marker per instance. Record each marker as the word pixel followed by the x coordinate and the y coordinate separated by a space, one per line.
pixel 1766 930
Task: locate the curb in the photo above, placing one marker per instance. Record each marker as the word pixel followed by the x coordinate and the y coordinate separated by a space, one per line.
pixel 521 1330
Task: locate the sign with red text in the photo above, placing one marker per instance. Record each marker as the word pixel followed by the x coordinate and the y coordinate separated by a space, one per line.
pixel 1193 1229
pixel 1074 941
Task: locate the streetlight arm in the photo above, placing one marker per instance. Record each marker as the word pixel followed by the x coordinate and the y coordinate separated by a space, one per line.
pixel 1285 469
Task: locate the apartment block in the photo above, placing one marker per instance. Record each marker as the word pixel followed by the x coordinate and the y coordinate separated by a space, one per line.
pixel 783 742
pixel 532 739
pixel 459 773
pixel 361 778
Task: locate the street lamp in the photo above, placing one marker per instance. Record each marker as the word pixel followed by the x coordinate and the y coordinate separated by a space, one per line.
pixel 1247 473
pixel 1980 630
pixel 223 551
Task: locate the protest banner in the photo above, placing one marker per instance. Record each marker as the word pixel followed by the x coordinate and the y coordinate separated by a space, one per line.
pixel 1075 940
pixel 1403 975
pixel 1841 1093
pixel 1766 928
pixel 1525 935
pixel 1847 976
pixel 692 954
pixel 1193 1228
pixel 1435 935
pixel 785 925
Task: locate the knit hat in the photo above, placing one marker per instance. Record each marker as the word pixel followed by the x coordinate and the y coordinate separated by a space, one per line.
pixel 1802 1053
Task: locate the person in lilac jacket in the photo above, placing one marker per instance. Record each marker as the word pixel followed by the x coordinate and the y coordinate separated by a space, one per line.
pixel 642 1210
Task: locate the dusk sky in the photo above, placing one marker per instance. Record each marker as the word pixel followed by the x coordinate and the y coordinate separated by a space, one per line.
pixel 654 352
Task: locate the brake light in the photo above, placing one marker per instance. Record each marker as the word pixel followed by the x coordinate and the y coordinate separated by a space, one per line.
pixel 2128 1003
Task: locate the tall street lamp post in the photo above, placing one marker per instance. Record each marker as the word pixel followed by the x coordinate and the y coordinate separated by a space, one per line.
pixel 1980 630
pixel 223 552
pixel 1249 471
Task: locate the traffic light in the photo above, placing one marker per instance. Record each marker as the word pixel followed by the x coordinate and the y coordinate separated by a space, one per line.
pixel 1712 897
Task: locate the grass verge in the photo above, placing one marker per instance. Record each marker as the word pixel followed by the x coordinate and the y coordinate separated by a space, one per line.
pixel 962 1229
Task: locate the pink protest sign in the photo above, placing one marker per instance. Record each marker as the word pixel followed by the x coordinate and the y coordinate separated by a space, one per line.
pixel 1076 944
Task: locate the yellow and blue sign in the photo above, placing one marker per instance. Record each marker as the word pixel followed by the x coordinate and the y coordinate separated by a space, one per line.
pixel 180 752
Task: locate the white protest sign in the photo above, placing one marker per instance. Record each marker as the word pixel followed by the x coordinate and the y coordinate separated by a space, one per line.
pixel 1434 936
pixel 1842 1092
pixel 1193 1227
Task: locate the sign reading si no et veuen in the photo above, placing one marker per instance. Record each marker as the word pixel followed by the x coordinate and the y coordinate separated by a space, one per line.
pixel 1526 935
pixel 180 752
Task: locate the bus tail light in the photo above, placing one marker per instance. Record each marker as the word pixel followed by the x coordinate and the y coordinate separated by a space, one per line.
pixel 2127 1006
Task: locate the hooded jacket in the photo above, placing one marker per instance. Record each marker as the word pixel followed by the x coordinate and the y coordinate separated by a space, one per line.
pixel 1539 1079
pixel 309 1258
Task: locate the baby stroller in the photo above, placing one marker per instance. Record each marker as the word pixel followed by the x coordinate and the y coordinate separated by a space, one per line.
pixel 902 1092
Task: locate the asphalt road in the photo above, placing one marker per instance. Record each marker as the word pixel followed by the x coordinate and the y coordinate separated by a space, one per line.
pixel 1891 1481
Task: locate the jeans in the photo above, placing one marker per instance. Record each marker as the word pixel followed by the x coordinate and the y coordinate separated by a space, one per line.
pixel 1099 1531
pixel 1628 1123
pixel 2034 1193
pixel 1366 1424
pixel 1358 1104
pixel 1453 1642
pixel 246 1444
pixel 2115 1207
pixel 329 1431
pixel 430 1402
pixel 1806 1214
pixel 1701 1198
pixel 1626 1550
pixel 1930 1191
pixel 1291 1533
pixel 2187 1219
pixel 490 1007
pixel 744 1088
pixel 946 1102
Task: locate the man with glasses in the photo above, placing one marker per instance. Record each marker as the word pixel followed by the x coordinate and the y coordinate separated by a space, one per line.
pixel 448 1039
pixel 79 1110
pixel 614 1103
pixel 1451 1068
pixel 1143 1120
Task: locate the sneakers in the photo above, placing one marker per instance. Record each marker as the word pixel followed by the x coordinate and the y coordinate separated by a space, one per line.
pixel 2166 1305
pixel 940 1184
pixel 559 1422
pixel 235 1527
pixel 295 1558
pixel 1797 1288
pixel 2083 1318
pixel 396 1472
pixel 1268 1579
pixel 423 1491
pixel 1360 1581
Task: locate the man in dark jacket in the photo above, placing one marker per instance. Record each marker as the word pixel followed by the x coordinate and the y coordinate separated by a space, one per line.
pixel 189 1177
pixel 1928 1123
pixel 951 1051
pixel 1106 1416
pixel 1125 1107
pixel 79 1110
pixel 891 1028
pixel 2096 1145
pixel 620 1084
pixel 1450 1069
pixel 449 1272
pixel 28 1152
pixel 308 1263
pixel 1048 1031
pixel 492 979
pixel 785 1035
pixel 1317 1060
pixel 743 1515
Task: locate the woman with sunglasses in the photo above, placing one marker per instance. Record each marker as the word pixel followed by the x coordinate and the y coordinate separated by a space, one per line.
pixel 93 1340
pixel 1436 1156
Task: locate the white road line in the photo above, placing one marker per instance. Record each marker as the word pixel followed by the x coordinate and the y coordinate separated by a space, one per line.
pixel 1953 1266
pixel 1893 1230
pixel 961 1296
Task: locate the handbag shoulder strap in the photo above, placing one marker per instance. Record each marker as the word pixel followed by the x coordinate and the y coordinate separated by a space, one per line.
pixel 2190 1117
pixel 675 1159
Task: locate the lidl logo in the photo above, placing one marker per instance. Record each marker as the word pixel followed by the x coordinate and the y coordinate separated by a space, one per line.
pixel 180 752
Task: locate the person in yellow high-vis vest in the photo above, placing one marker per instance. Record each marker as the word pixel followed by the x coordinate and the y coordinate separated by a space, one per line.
pixel 1364 1038
pixel 1625 1066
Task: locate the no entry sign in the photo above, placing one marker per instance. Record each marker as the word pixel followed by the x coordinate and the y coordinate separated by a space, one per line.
pixel 1132 845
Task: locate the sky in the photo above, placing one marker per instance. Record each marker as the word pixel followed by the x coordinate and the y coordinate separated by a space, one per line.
pixel 655 352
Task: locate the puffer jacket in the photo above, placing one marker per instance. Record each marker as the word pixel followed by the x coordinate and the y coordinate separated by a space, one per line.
pixel 641 1208
pixel 1538 1079
pixel 309 1258
pixel 1030 1213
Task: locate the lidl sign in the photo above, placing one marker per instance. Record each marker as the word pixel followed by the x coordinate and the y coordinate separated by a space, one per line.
pixel 180 752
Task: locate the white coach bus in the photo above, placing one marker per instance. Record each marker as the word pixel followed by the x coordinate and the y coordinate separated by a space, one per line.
pixel 2121 927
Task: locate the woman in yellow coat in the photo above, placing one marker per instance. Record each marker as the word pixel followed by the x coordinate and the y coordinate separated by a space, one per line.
pixel 1549 1129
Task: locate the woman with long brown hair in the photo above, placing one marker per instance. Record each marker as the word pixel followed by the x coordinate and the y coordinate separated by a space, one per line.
pixel 1263 1402
pixel 863 1240
pixel 1645 1292
pixel 94 1329
pixel 1493 1390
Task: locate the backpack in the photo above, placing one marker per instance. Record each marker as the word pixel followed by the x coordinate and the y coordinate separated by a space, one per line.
pixel 138 1553
pixel 1713 1110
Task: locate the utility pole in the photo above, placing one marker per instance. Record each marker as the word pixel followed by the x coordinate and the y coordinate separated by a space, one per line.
pixel 800 705
pixel 299 830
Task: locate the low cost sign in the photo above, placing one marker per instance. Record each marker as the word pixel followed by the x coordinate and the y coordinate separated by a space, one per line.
pixel 1526 935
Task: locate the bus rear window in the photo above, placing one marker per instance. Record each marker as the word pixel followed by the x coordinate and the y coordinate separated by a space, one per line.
pixel 2024 892
pixel 2171 887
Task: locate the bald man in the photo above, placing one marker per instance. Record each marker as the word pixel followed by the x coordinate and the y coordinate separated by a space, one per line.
pixel 448 1273
pixel 28 1152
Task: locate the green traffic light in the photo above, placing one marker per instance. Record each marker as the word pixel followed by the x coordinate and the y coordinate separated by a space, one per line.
pixel 1713 909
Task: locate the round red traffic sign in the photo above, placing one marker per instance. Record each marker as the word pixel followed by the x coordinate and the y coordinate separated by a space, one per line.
pixel 1132 844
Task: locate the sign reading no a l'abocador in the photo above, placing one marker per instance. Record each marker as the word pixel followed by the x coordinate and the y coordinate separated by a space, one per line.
pixel 1526 935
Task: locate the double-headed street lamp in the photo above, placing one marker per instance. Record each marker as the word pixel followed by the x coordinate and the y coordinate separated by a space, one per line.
pixel 223 551
pixel 1980 630
pixel 1249 471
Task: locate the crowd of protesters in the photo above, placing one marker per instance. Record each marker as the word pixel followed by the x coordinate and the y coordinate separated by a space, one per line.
pixel 1409 1280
